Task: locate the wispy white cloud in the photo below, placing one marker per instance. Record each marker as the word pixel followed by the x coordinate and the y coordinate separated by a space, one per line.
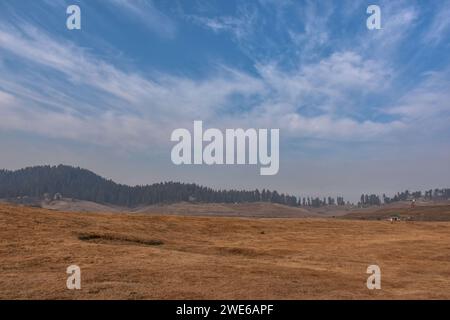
pixel 398 21
pixel 440 25
pixel 330 85
pixel 123 131
pixel 314 18
pixel 311 69
pixel 314 99
pixel 427 102
pixel 240 26
pixel 128 108
pixel 158 104
pixel 340 129
pixel 146 13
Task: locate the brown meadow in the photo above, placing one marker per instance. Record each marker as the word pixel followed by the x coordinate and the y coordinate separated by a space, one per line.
pixel 142 256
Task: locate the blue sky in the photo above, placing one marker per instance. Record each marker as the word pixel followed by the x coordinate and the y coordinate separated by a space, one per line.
pixel 358 110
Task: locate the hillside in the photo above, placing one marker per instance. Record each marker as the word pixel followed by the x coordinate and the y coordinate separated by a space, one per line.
pixel 45 182
pixel 75 189
pixel 423 211
pixel 256 209
pixel 136 256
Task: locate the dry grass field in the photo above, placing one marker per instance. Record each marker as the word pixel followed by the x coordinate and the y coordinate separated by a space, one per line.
pixel 422 212
pixel 138 256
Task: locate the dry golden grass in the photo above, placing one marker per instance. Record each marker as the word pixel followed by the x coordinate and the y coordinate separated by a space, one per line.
pixel 430 212
pixel 131 256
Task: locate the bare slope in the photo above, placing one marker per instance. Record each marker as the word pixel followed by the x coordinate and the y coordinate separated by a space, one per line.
pixel 74 205
pixel 258 209
pixel 431 211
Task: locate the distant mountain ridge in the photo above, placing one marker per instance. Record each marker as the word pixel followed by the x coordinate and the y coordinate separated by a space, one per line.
pixel 82 184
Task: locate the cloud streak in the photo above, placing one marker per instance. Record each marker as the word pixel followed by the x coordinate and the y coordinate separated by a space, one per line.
pixel 147 14
pixel 320 99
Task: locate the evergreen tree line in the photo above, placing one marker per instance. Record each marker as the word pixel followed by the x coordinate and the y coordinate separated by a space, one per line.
pixel 436 194
pixel 82 184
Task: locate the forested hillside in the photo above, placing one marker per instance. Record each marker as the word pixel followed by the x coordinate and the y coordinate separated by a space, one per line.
pixel 83 184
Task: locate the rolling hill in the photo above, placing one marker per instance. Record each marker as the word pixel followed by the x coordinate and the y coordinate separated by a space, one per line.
pixel 44 182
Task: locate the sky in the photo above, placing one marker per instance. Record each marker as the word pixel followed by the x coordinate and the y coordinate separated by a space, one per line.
pixel 359 110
